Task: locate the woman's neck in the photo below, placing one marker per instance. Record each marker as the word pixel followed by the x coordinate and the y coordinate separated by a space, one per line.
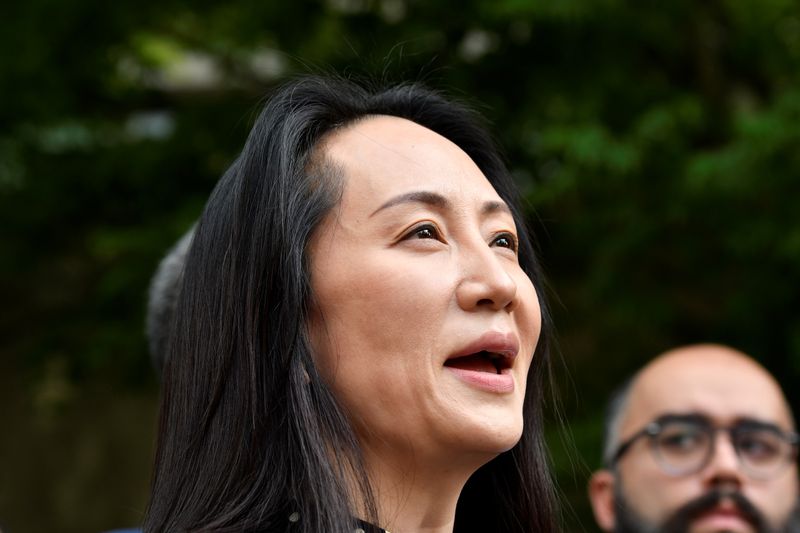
pixel 418 494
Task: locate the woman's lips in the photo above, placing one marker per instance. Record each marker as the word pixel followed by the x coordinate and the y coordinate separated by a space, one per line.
pixel 503 345
pixel 479 362
pixel 486 362
pixel 488 381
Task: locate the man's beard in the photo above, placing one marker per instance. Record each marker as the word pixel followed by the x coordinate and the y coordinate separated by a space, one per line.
pixel 628 521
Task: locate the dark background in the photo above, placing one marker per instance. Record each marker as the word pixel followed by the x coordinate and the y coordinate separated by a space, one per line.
pixel 656 144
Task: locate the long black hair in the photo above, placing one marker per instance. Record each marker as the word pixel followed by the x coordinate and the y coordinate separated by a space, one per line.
pixel 250 437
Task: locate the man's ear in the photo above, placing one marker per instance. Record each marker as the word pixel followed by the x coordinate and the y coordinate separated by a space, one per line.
pixel 601 495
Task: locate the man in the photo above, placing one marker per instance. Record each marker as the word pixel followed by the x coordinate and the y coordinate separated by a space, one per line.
pixel 162 298
pixel 700 440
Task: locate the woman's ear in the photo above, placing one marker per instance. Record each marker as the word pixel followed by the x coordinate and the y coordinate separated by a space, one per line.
pixel 601 495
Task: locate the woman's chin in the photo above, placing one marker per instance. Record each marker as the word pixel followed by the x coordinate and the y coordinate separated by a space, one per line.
pixel 490 440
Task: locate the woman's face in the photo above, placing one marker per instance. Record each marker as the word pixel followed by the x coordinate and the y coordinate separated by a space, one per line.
pixel 424 323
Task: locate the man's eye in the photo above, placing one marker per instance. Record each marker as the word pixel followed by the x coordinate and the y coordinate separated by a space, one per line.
pixel 506 240
pixel 759 446
pixel 681 441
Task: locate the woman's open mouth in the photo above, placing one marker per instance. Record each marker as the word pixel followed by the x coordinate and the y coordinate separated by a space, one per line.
pixel 483 361
pixel 485 370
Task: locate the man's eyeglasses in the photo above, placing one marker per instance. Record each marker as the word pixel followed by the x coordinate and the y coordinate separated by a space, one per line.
pixel 684 444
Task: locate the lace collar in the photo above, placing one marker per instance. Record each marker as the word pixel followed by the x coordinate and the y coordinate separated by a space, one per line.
pixel 362 527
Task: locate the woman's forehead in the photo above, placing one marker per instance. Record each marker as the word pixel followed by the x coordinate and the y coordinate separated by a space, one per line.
pixel 383 156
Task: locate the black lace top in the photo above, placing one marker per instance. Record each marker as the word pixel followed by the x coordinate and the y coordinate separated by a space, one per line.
pixel 362 527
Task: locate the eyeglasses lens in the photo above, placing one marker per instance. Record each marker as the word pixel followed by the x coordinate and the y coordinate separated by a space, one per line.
pixel 761 450
pixel 682 446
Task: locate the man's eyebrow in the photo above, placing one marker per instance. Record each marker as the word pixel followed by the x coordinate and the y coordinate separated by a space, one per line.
pixel 744 421
pixel 689 416
pixel 755 423
pixel 437 200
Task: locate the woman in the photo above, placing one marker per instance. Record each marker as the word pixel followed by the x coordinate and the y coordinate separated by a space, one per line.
pixel 360 331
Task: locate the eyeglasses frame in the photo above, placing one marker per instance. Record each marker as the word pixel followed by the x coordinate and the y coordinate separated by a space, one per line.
pixel 654 428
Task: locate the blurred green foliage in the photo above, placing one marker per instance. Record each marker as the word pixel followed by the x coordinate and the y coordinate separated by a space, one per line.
pixel 656 144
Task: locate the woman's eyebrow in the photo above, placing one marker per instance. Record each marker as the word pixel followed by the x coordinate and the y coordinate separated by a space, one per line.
pixel 437 200
pixel 493 207
pixel 421 197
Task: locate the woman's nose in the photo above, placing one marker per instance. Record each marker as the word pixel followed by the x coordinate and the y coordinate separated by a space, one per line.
pixel 485 281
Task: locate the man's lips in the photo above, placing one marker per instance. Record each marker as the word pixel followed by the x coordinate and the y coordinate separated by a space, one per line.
pixel 724 517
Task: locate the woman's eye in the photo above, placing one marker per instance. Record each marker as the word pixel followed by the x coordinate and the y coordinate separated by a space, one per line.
pixel 427 231
pixel 506 240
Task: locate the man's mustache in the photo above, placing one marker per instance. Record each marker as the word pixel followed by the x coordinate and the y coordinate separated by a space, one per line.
pixel 682 518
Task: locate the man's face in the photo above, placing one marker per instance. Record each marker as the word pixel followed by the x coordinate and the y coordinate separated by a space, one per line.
pixel 722 389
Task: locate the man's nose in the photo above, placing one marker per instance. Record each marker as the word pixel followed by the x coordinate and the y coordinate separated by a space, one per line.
pixel 485 280
pixel 724 467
